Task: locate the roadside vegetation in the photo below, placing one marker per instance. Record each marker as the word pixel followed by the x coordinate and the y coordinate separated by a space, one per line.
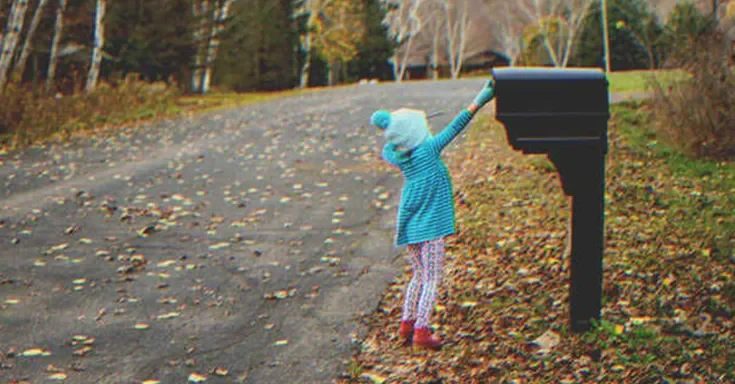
pixel 669 260
pixel 668 291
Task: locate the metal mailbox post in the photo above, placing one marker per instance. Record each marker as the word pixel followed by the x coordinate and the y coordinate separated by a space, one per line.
pixel 563 113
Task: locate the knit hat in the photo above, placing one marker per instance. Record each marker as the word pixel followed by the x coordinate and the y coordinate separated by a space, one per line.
pixel 407 128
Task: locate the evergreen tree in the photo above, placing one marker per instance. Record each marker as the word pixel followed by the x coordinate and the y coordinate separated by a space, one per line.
pixel 152 38
pixel 634 32
pixel 686 25
pixel 375 49
pixel 258 48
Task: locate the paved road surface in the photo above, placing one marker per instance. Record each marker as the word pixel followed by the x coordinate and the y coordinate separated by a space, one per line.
pixel 245 243
pixel 249 240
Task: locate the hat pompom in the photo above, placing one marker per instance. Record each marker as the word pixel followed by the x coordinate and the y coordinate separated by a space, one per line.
pixel 380 119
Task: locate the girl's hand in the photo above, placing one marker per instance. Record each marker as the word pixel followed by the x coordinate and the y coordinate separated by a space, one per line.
pixel 485 95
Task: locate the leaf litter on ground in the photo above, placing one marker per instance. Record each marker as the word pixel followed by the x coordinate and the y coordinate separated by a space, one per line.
pixel 668 298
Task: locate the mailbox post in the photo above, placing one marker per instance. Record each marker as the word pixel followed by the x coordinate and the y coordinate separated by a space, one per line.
pixel 563 113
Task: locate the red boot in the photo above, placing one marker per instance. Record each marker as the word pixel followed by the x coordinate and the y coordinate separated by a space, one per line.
pixel 406 329
pixel 422 337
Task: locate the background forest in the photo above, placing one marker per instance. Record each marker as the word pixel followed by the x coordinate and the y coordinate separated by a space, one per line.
pixel 68 65
pixel 247 45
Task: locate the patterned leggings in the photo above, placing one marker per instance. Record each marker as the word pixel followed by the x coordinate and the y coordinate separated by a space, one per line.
pixel 426 260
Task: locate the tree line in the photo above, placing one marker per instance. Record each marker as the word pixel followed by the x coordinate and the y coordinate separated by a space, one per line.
pixel 556 33
pixel 67 45
pixel 244 45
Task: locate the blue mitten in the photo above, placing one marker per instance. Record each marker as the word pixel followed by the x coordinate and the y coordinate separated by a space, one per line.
pixel 486 94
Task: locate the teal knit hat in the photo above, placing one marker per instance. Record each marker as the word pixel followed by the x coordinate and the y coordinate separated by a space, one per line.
pixel 407 128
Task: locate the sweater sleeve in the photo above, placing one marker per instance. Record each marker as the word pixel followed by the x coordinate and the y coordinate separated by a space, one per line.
pixel 390 154
pixel 451 131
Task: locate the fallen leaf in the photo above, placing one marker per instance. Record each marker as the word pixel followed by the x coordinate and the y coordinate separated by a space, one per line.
pixel 53 368
pixel 58 376
pixel 220 371
pixel 219 245
pixel 619 329
pixel 36 352
pixel 547 341
pixel 166 263
pixel 146 231
pixel 169 315
pixel 197 378
pixel 374 377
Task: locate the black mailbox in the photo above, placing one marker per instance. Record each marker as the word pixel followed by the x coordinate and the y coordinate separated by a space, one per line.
pixel 563 113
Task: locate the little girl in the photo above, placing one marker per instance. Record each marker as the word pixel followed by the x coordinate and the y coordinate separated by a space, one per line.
pixel 426 210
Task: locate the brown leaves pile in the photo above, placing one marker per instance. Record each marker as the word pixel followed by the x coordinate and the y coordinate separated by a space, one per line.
pixel 503 304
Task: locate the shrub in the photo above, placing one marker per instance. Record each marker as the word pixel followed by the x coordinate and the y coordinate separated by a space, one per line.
pixel 27 115
pixel 697 117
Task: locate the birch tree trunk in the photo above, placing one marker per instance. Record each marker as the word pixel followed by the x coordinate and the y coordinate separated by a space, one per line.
pixel 404 62
pixel 20 66
pixel 304 77
pixel 12 32
pixel 404 23
pixel 99 42
pixel 569 14
pixel 435 56
pixel 451 36
pixel 58 30
pixel 219 16
pixel 509 29
pixel 434 15
pixel 199 10
pixel 463 27
pixel 306 45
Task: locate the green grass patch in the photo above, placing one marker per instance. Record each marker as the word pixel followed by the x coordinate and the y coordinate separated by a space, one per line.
pixel 639 81
pixel 701 195
pixel 628 81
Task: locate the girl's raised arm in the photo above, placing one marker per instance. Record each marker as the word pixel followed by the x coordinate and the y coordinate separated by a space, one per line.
pixel 440 141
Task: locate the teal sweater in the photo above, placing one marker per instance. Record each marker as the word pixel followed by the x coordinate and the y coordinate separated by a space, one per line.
pixel 426 210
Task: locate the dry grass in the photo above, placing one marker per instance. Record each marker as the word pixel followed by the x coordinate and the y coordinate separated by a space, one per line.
pixel 28 116
pixel 697 117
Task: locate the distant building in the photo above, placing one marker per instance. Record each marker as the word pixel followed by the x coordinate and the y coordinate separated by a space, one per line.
pixel 420 68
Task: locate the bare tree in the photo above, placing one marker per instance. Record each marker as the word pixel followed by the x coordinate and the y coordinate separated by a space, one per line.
pixel 557 23
pixel 432 13
pixel 20 65
pixel 509 26
pixel 13 28
pixel 313 10
pixel 58 30
pixel 209 15
pixel 457 25
pixel 404 23
pixel 219 16
pixel 99 42
pixel 199 11
pixel 310 10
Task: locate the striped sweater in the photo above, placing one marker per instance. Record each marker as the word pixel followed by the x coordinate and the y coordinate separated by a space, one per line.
pixel 426 210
